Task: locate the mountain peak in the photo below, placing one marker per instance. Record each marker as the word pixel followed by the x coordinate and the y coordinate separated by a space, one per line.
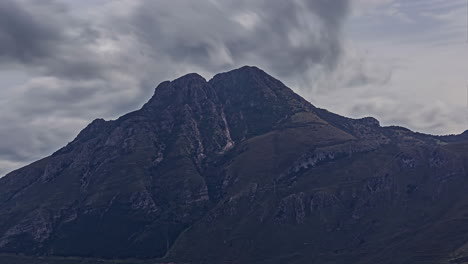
pixel 249 99
pixel 245 72
pixel 189 87
pixel 248 69
pixel 190 77
pixel 182 81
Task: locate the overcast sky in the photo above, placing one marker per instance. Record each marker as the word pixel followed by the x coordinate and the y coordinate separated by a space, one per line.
pixel 64 63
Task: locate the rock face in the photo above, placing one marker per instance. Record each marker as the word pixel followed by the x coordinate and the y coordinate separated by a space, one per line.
pixel 240 169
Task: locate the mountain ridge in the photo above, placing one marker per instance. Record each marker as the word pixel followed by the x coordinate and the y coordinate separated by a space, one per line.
pixel 370 119
pixel 227 169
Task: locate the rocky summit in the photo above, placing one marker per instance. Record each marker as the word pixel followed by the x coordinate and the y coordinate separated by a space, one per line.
pixel 239 169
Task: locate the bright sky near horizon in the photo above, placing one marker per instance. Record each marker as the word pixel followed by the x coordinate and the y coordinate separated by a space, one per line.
pixel 64 63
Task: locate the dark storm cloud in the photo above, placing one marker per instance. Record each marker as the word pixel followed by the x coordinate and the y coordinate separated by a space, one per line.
pixel 286 37
pixel 44 35
pixel 24 36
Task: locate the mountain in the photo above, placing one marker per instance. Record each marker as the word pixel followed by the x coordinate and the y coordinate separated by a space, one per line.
pixel 239 169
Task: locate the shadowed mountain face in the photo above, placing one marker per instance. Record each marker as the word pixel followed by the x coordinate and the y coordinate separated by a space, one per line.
pixel 240 169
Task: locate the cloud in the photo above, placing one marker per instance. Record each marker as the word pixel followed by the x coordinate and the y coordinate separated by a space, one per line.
pixel 435 117
pixel 7 166
pixel 24 37
pixel 284 37
pixel 70 62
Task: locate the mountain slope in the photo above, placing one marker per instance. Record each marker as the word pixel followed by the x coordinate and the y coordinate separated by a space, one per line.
pixel 241 169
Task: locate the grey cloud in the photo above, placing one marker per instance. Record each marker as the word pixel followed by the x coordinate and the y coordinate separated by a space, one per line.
pixel 71 81
pixel 25 36
pixel 46 37
pixel 105 62
pixel 404 112
pixel 285 37
pixel 27 141
pixel 7 166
